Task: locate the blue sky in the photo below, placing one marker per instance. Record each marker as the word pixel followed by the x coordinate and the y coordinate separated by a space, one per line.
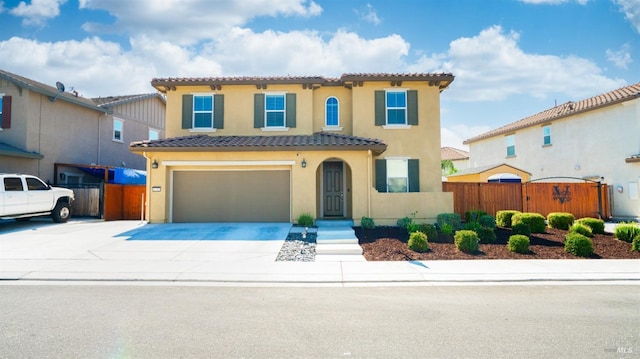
pixel 511 58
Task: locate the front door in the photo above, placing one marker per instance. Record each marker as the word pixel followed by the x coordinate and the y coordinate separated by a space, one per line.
pixel 333 189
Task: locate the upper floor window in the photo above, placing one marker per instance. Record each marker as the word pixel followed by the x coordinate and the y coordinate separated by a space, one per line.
pixel 5 111
pixel 118 127
pixel 154 134
pixel 202 111
pixel 332 116
pixel 274 110
pixel 396 108
pixel 546 135
pixel 511 145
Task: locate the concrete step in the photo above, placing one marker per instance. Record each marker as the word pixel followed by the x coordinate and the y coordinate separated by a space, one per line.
pixel 338 249
pixel 334 223
pixel 340 258
pixel 337 241
pixel 341 233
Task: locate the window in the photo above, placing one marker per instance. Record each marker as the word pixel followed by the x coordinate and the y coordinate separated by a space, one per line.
pixel 332 116
pixel 12 184
pixel 274 106
pixel 546 133
pixel 118 126
pixel 511 145
pixel 34 184
pixel 202 111
pixel 1 96
pixel 397 175
pixel 154 134
pixel 396 108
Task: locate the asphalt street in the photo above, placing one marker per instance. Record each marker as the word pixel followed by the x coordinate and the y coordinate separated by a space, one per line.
pixel 195 321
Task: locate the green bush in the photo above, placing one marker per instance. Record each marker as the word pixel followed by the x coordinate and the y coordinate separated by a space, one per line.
pixel 534 220
pixel 635 244
pixel 367 223
pixel 503 218
pixel 486 235
pixel 472 226
pixel 452 219
pixel 473 215
pixel 466 241
pixel 582 229
pixel 487 221
pixel 521 228
pixel 518 243
pixel 305 220
pixel 560 220
pixel 446 229
pixel 428 229
pixel 404 222
pixel 596 225
pixel 627 231
pixel 578 245
pixel 418 242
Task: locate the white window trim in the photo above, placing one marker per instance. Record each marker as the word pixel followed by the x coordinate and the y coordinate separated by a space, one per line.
pixel 386 109
pixel 193 113
pixel 513 136
pixel 284 112
pixel 113 130
pixel 396 127
pixel 330 127
pixel 543 136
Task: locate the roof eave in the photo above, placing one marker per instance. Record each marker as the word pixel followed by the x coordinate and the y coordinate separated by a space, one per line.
pixel 375 149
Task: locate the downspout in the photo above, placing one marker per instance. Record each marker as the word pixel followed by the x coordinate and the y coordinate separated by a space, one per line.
pixel 147 200
pixel 369 158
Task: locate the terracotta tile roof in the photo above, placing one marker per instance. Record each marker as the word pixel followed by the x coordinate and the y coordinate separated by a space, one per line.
pixel 120 100
pixel 567 109
pixel 450 153
pixel 320 141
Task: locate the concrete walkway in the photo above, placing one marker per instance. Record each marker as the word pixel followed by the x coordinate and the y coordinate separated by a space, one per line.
pixel 94 250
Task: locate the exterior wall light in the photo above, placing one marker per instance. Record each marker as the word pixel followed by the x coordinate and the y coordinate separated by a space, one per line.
pixel 154 165
pixel 304 163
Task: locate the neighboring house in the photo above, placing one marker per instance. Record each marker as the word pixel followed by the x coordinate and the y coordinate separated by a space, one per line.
pixel 273 148
pixel 595 139
pixel 43 126
pixel 459 158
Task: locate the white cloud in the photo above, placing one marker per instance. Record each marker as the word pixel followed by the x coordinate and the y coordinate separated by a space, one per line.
pixel 455 135
pixel 38 11
pixel 620 58
pixel 173 20
pixel 631 10
pixel 491 67
pixel 369 15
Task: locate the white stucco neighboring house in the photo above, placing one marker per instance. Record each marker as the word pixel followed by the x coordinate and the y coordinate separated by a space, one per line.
pixel 597 139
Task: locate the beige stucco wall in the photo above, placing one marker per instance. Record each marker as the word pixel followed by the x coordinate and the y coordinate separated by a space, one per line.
pixel 591 145
pixel 484 176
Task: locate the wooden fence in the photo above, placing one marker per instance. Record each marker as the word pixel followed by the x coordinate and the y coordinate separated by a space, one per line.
pixel 580 199
pixel 86 203
pixel 124 202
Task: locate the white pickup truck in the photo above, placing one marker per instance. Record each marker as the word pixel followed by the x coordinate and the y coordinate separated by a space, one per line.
pixel 24 196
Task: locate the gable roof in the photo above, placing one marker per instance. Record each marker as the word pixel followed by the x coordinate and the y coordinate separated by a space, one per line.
pixel 111 101
pixel 567 109
pixel 320 141
pixel 442 80
pixel 481 169
pixel 50 91
pixel 453 154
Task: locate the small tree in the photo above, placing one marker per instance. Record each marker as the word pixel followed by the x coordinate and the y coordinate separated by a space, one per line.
pixel 447 168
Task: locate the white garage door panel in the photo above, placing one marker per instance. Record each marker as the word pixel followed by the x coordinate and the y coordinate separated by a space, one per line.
pixel 231 196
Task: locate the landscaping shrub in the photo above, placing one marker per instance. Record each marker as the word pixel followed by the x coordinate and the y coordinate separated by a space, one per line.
pixel 428 229
pixel 534 220
pixel 367 223
pixel 596 225
pixel 418 242
pixel 486 235
pixel 305 220
pixel 582 229
pixel 452 219
pixel 578 245
pixel 560 220
pixel 487 221
pixel 521 228
pixel 473 215
pixel 503 218
pixel 627 231
pixel 404 222
pixel 472 226
pixel 446 229
pixel 635 244
pixel 518 243
pixel 466 241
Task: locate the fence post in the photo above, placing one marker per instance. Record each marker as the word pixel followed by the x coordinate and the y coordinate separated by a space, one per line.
pixel 599 200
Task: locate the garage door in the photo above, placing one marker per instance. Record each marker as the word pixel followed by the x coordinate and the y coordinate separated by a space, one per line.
pixel 231 196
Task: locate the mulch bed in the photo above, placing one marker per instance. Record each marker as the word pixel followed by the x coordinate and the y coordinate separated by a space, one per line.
pixel 390 244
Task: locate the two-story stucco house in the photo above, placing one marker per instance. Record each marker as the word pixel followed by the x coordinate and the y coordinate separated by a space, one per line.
pixel 272 148
pixel 596 139
pixel 43 126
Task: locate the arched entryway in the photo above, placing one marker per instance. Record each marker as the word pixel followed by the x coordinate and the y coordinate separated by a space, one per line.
pixel 334 192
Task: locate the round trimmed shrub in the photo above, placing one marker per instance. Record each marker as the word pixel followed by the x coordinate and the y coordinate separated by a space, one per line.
pixel 627 231
pixel 635 244
pixel 578 245
pixel 521 228
pixel 518 243
pixel 466 241
pixel 596 225
pixel 472 226
pixel 367 223
pixel 418 242
pixel 503 218
pixel 534 220
pixel 582 229
pixel 560 220
pixel 486 235
pixel 487 221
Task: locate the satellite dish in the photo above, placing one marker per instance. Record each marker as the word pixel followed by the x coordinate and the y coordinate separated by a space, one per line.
pixel 60 87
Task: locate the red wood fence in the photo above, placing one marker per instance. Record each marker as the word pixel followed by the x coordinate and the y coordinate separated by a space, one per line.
pixel 124 202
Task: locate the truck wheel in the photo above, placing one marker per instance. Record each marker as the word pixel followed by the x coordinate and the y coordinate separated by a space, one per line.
pixel 61 213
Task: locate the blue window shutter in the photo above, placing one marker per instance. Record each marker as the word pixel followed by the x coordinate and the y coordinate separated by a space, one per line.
pixel 218 111
pixel 291 110
pixel 258 110
pixel 414 175
pixel 381 175
pixel 187 111
pixel 412 107
pixel 381 109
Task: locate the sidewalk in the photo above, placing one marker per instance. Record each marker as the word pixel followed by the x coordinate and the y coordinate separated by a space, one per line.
pixel 93 250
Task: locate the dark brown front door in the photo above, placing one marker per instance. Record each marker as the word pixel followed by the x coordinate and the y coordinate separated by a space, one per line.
pixel 333 189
